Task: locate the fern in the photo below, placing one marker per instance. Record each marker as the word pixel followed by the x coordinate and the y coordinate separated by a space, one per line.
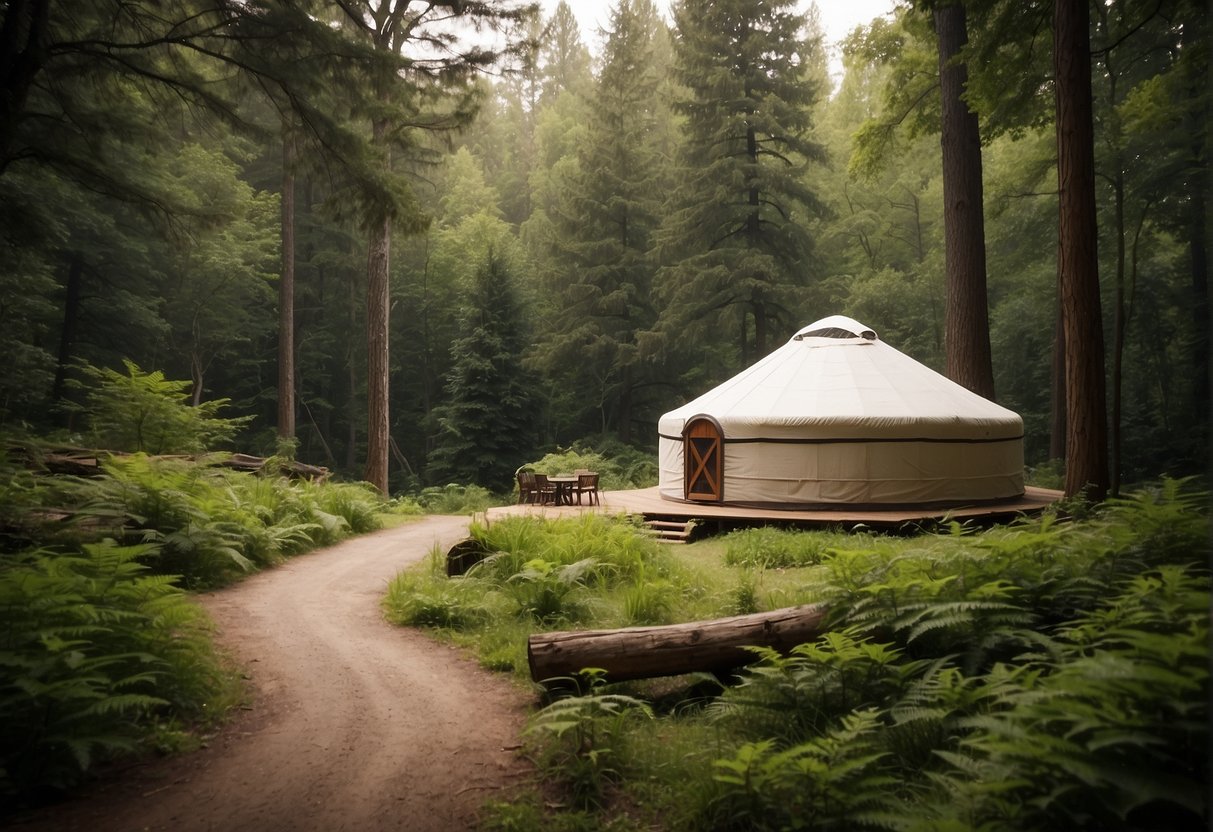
pixel 92 649
pixel 836 781
pixel 584 735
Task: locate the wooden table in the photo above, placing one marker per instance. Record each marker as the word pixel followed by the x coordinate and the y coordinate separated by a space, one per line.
pixel 564 490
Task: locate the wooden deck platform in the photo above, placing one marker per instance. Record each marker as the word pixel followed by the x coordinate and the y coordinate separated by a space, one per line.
pixel 649 504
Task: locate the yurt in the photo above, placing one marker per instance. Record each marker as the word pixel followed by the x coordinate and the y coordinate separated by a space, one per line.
pixel 837 416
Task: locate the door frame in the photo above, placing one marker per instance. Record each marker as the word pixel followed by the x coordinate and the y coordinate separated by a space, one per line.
pixel 700 468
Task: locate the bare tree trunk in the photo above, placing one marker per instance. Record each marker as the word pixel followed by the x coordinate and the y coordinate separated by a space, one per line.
pixel 1194 33
pixel 1057 412
pixel 1086 422
pixel 1120 325
pixel 351 436
pixel 23 54
pixel 1200 307
pixel 71 318
pixel 377 363
pixel 286 292
pixel 967 322
pixel 760 328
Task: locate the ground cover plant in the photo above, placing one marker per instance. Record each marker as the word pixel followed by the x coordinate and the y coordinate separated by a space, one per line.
pixel 1052 674
pixel 102 652
pixel 589 571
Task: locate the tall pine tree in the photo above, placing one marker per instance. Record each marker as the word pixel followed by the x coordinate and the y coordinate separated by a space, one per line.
pixel 604 220
pixel 487 422
pixel 735 245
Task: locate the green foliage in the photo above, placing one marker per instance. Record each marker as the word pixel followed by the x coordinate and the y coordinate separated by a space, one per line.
pixel 620 554
pixel 600 273
pixel 736 244
pixel 796 696
pixel 832 782
pixel 101 652
pixel 649 601
pixel 769 548
pixel 92 649
pixel 1107 729
pixel 551 594
pixel 590 570
pixel 428 600
pixel 619 466
pixel 211 524
pixel 488 420
pixel 454 498
pixel 1043 676
pixel 585 738
pixel 1046 675
pixel 745 596
pixel 139 411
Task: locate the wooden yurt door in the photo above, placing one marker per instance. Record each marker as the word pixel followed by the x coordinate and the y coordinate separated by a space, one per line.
pixel 703 460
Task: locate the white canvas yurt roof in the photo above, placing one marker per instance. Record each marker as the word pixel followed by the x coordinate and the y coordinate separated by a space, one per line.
pixel 836 415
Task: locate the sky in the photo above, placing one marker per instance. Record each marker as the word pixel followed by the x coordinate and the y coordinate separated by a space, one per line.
pixel 838 17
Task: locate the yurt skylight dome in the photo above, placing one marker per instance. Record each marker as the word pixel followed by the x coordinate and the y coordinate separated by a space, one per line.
pixel 837 327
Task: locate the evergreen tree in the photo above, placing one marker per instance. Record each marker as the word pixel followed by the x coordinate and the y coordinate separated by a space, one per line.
pixel 604 220
pixel 420 82
pixel 564 59
pixel 1077 256
pixel 735 245
pixel 967 315
pixel 487 423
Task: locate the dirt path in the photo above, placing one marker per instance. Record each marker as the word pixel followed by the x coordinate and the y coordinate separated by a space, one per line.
pixel 356 724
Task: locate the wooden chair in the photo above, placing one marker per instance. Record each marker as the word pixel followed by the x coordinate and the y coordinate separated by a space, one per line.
pixel 545 492
pixel 587 484
pixel 526 487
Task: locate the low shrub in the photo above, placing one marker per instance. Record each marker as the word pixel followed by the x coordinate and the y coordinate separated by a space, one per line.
pixel 620 467
pixel 584 739
pixel 454 498
pixel 94 652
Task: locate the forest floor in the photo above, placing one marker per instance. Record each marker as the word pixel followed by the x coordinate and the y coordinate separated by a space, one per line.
pixel 351 723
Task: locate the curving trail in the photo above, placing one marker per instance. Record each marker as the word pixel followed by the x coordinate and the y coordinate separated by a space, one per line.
pixel 355 724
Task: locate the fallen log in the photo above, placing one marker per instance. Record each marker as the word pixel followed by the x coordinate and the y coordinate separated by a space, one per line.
pixel 88 462
pixel 715 646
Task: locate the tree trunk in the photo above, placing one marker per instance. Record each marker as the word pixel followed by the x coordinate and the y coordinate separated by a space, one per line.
pixel 286 292
pixel 1057 398
pixel 698 646
pixel 1193 34
pixel 1078 265
pixel 967 323
pixel 24 31
pixel 351 427
pixel 71 317
pixel 1200 307
pixel 625 404
pixel 378 259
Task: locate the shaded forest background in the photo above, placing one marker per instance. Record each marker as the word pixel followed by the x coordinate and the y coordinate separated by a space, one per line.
pixel 555 245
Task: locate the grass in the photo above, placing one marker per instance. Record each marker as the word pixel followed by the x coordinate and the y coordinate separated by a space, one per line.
pixel 1052 674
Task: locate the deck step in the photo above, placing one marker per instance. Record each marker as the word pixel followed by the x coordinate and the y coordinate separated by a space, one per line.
pixel 670 531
